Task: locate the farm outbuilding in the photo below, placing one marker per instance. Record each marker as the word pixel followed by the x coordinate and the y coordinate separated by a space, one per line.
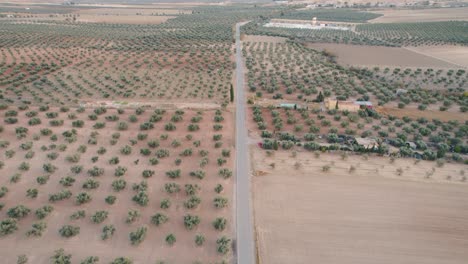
pixel 291 106
pixel 367 143
pixel 351 106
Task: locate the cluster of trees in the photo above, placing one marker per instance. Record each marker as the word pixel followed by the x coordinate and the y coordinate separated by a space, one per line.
pixel 432 139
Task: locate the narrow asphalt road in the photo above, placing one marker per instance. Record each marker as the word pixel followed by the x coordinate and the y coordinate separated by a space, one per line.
pixel 245 236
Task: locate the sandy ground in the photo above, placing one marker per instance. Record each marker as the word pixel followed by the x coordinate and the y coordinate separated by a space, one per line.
pixel 370 216
pixel 422 15
pixel 123 19
pixel 88 242
pixel 454 54
pixel 381 56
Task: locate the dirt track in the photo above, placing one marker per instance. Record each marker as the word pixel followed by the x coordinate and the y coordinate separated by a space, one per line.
pixel 309 216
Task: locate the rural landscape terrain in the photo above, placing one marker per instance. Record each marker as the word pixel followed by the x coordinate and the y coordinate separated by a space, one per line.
pixel 230 132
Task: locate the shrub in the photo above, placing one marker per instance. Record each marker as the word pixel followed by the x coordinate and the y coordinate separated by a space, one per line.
pixel 172 187
pixel 162 153
pixel 219 188
pixel 37 229
pixel 8 226
pixel 44 211
pixel 132 216
pixel 170 127
pixel 49 168
pixel 67 181
pixel 32 193
pixel 223 245
pixel 145 152
pixel 225 173
pixel 126 150
pixel 107 232
pixel 191 189
pixel 192 202
pixel 198 174
pixel 99 217
pixel 90 184
pixel 82 198
pixel 90 260
pixel 120 171
pixel 110 199
pixel 95 171
pixel 170 239
pixel 78 123
pixel 15 178
pixel 69 231
pixel 220 223
pixel 78 215
pixel 119 185
pixel 60 257
pixel 114 160
pixel 18 212
pixel 62 195
pixel 191 221
pixel 3 191
pixel 153 143
pixel 22 259
pixel 220 202
pixel 173 174
pixel 148 173
pixel 159 219
pixel 141 198
pixel 138 236
pixel 165 204
pixel 34 121
pixel 146 126
pixel 122 260
pixel 199 240
pixel 76 169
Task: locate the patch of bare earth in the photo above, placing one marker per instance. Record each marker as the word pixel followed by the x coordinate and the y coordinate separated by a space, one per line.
pixel 371 215
pixel 124 19
pixel 357 55
pixel 422 15
pixel 454 54
pixel 257 38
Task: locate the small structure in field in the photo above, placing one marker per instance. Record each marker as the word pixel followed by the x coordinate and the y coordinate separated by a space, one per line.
pixel 291 106
pixel 351 106
pixel 411 145
pixel 367 143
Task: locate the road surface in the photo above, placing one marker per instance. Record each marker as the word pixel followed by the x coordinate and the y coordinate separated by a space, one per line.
pixel 244 222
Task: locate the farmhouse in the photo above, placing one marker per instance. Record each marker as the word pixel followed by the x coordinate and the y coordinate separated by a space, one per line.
pixel 352 106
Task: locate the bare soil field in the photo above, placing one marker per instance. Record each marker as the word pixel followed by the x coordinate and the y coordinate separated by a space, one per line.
pixel 422 15
pixel 454 54
pixel 132 11
pixel 123 19
pixel 429 114
pixel 381 56
pixel 257 38
pixel 98 151
pixel 370 215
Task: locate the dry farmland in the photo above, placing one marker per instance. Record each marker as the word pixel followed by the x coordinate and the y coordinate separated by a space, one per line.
pixel 105 173
pixel 117 128
pixel 369 214
pixel 354 55
pixel 422 15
